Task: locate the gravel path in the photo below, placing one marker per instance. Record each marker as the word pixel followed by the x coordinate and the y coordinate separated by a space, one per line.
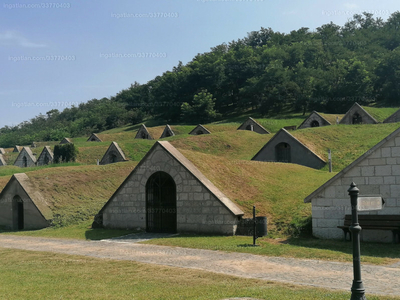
pixel 382 280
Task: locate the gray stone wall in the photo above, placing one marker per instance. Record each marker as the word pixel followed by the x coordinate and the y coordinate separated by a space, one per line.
pixel 378 174
pixel 299 154
pixel 44 157
pixel 393 118
pixel 314 117
pixel 19 161
pixel 348 118
pixel 256 127
pixel 32 217
pixel 198 210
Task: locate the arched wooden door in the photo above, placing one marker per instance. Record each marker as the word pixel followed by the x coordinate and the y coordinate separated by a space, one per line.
pixel 160 203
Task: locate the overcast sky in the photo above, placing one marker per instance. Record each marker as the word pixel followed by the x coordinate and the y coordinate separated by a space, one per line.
pixel 55 54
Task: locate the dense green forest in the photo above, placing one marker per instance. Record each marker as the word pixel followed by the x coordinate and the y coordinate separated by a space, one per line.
pixel 268 72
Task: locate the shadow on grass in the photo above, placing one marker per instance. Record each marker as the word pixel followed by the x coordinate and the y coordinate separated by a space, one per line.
pixel 101 233
pixel 383 250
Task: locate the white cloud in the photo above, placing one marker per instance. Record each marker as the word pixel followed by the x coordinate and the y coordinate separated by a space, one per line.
pixel 350 5
pixel 12 38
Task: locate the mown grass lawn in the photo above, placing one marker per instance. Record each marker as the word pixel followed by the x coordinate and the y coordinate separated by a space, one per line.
pixel 32 275
pixel 306 248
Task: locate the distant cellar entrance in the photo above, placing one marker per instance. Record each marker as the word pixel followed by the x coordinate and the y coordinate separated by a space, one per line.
pixel 357 119
pixel 160 203
pixel 113 157
pixel 46 160
pixel 18 213
pixel 282 153
pixel 250 127
pixel 24 162
pixel 314 123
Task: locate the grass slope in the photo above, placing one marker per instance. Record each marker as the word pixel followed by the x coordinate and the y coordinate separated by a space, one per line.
pixel 77 193
pixel 382 113
pixel 347 142
pixel 35 275
pixel 276 189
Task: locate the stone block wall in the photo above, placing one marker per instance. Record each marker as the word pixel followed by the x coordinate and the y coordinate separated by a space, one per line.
pixel 314 117
pixel 19 161
pixel 198 210
pixel 379 175
pixel 256 127
pixel 32 217
pixel 393 118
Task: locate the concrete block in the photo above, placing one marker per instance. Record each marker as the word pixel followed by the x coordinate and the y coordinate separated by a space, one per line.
pixel 328 223
pixel 390 202
pixel 354 172
pixel 383 170
pixel 376 161
pixel 397 141
pixel 395 191
pixel 375 180
pixel 334 213
pixel 196 189
pixel 386 152
pixel 368 189
pixel 340 191
pixel 395 151
pixel 384 191
pixel 318 212
pixel 323 202
pixel 376 154
pixel 391 161
pixel 367 171
pixel 330 192
pixel 396 170
pixel 389 180
pixel 198 196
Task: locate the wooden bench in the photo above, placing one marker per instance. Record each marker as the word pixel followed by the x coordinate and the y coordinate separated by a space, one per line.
pixel 374 222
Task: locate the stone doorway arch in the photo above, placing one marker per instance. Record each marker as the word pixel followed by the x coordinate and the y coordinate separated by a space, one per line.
pixel 315 123
pixel 161 203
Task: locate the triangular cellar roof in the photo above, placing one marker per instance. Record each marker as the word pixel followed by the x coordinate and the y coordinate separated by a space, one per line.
pixel 2 161
pixel 167 132
pixel 394 118
pixel 316 116
pixel 199 129
pixel 257 127
pixel 2 151
pixel 115 151
pixel 17 148
pixel 46 151
pixel 94 138
pixel 28 152
pixel 191 168
pixel 359 160
pixel 284 132
pixel 65 141
pixel 24 182
pixel 143 133
pixel 356 108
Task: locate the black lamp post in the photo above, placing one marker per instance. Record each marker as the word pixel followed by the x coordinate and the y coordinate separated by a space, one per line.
pixel 357 289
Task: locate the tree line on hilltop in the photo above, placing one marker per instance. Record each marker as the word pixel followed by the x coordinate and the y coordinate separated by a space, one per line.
pixel 268 72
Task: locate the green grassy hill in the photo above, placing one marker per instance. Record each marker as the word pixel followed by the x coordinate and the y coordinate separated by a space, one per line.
pixel 77 191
